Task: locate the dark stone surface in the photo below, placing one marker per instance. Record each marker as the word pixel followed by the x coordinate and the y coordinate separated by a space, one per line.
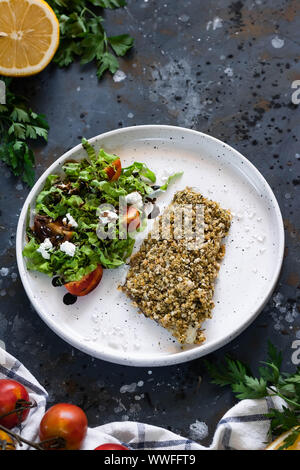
pixel 224 78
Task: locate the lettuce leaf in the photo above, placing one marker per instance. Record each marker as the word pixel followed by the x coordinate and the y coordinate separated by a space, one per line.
pixel 170 180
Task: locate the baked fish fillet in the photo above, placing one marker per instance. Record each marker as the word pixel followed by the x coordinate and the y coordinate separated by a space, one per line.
pixel 170 281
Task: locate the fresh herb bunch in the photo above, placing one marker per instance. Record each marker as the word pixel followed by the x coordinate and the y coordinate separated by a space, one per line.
pixel 270 382
pixel 83 36
pixel 18 125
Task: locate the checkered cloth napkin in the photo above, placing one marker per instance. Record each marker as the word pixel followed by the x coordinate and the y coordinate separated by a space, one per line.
pixel 243 427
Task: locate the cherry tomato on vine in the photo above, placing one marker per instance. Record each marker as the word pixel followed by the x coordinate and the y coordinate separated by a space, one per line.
pixel 6 441
pixel 13 397
pixel 111 447
pixel 65 425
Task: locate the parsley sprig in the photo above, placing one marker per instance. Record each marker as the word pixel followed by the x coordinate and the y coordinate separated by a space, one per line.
pixel 270 382
pixel 83 36
pixel 19 124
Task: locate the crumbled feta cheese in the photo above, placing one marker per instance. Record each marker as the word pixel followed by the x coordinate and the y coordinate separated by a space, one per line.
pixel 134 199
pixel 44 248
pixel 107 216
pixel 69 220
pixel 68 248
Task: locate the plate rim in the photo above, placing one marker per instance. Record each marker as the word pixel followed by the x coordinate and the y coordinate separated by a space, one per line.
pixel 163 359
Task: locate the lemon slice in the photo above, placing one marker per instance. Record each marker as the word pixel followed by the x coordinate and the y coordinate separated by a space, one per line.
pixel 29 36
pixel 279 441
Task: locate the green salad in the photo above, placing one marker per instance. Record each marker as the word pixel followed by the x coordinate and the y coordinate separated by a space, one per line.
pixel 63 238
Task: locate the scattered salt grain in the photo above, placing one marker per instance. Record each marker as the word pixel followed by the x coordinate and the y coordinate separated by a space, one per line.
pixel 228 71
pixel 95 317
pixel 4 271
pixel 261 238
pixel 215 24
pixel 198 430
pixel 277 42
pixel 128 388
pixel 184 18
pixel 119 76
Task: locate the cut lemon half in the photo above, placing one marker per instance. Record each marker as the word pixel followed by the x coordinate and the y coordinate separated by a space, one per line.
pixel 29 36
pixel 279 441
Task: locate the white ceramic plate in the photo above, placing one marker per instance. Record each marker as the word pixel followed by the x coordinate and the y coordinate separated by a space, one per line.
pixel 104 324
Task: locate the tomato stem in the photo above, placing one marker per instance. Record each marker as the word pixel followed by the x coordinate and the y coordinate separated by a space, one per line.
pixel 25 406
pixel 57 443
pixel 21 439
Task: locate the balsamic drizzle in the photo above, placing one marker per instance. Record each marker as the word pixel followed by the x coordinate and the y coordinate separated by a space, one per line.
pixel 69 299
pixel 57 282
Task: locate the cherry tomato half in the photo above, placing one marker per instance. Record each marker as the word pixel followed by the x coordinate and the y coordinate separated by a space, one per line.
pixel 13 396
pixel 111 447
pixel 133 219
pixel 113 171
pixel 64 424
pixel 86 284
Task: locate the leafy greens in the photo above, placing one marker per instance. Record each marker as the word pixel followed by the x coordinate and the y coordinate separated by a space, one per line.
pixel 19 125
pixel 83 188
pixel 83 35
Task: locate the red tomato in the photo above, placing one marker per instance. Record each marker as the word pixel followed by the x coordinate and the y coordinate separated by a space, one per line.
pixel 86 284
pixel 6 441
pixel 13 396
pixel 111 447
pixel 133 220
pixel 113 171
pixel 66 424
